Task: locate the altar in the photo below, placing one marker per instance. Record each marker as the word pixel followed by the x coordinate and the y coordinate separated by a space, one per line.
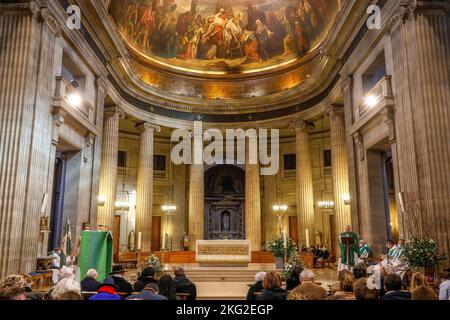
pixel 220 253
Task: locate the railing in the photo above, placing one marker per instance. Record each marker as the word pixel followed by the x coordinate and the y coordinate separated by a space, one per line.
pixel 382 90
pixel 287 174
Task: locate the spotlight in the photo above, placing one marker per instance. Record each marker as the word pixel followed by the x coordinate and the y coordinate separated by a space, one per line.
pixel 75 99
pixel 371 101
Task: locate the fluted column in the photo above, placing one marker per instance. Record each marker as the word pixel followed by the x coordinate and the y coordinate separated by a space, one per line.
pixel 197 191
pixel 339 161
pixel 28 35
pixel 108 170
pixel 304 183
pixel 252 195
pixel 144 190
pixel 420 36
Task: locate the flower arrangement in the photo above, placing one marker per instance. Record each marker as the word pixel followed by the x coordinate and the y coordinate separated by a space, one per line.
pixel 276 246
pixel 293 262
pixel 154 262
pixel 423 253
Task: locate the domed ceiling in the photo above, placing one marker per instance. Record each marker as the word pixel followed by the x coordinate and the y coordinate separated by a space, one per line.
pixel 223 36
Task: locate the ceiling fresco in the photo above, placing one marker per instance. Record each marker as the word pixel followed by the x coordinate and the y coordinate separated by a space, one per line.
pixel 223 36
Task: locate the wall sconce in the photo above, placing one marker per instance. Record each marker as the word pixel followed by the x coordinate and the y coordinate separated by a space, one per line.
pixel 371 100
pixel 75 99
pixel 347 200
pixel 101 201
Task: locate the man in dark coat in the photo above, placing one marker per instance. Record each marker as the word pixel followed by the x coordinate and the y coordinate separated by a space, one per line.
pixel 90 283
pixel 147 276
pixel 118 275
pixel 184 285
pixel 150 292
pixel 393 287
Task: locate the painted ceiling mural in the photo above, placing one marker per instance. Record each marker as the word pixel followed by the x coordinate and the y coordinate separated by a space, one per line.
pixel 223 35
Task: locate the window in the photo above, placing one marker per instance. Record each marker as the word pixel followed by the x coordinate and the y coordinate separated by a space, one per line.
pixel 122 159
pixel 327 158
pixel 159 162
pixel 290 162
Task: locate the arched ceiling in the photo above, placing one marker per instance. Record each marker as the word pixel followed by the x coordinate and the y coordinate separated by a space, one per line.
pixel 220 37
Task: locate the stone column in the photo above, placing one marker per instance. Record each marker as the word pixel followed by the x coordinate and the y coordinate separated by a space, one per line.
pixel 304 183
pixel 339 162
pixel 197 191
pixel 108 169
pixel 28 35
pixel 102 87
pixel 419 32
pixel 252 194
pixel 144 189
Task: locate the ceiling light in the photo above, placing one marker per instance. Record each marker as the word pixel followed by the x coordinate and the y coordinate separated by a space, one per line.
pixel 371 101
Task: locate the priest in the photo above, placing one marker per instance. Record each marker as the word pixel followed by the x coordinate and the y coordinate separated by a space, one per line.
pixel 364 252
pixel 348 243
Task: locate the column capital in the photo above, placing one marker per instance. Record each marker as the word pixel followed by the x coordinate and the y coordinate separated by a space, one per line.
pixel 334 110
pixel 102 82
pixel 301 125
pixel 146 126
pixel 113 110
pixel 346 81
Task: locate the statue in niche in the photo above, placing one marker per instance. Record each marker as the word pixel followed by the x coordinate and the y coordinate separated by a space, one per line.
pixel 225 221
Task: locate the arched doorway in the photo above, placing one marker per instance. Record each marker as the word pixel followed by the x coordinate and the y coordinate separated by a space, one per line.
pixel 224 202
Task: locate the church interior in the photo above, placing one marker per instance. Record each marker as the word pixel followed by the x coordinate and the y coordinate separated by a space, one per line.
pixel 128 130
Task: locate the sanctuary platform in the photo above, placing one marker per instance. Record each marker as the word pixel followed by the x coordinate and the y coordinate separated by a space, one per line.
pixel 232 283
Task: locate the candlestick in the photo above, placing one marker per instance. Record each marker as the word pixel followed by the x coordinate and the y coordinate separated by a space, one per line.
pixel 307 238
pixel 139 241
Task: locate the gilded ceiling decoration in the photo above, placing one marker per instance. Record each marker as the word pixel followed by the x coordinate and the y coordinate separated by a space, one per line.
pixel 223 36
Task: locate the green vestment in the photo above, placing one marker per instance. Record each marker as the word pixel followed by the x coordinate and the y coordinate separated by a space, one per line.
pixel 353 248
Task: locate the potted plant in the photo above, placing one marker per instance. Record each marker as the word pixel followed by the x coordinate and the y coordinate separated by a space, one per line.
pixel 154 262
pixel 277 248
pixel 423 255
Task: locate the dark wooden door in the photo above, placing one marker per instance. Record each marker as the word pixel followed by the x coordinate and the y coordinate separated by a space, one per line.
pixel 156 234
pixel 116 234
pixel 293 229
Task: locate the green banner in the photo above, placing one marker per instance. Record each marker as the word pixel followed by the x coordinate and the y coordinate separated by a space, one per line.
pixel 95 252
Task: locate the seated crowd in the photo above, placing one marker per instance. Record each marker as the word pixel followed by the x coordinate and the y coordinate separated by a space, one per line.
pixel 114 287
pixel 356 285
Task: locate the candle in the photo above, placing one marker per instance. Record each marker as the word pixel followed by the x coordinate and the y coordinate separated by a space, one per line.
pixel 139 241
pixel 307 238
pixel 285 239
pixel 164 241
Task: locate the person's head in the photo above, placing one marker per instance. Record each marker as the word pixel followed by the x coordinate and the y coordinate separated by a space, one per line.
pixel 346 280
pixel 389 244
pixel 348 228
pixel 65 273
pixel 69 295
pixel 117 270
pixel 179 272
pixel 13 287
pixel 362 292
pixel 167 287
pixel 360 271
pixel 417 280
pixel 153 287
pixel 259 277
pixel 92 273
pixel 361 243
pixel 272 281
pixel 445 274
pixel 58 250
pixel 392 282
pixel 64 286
pixel 307 275
pixel 258 22
pixel 424 293
pixel 148 272
pixel 400 242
